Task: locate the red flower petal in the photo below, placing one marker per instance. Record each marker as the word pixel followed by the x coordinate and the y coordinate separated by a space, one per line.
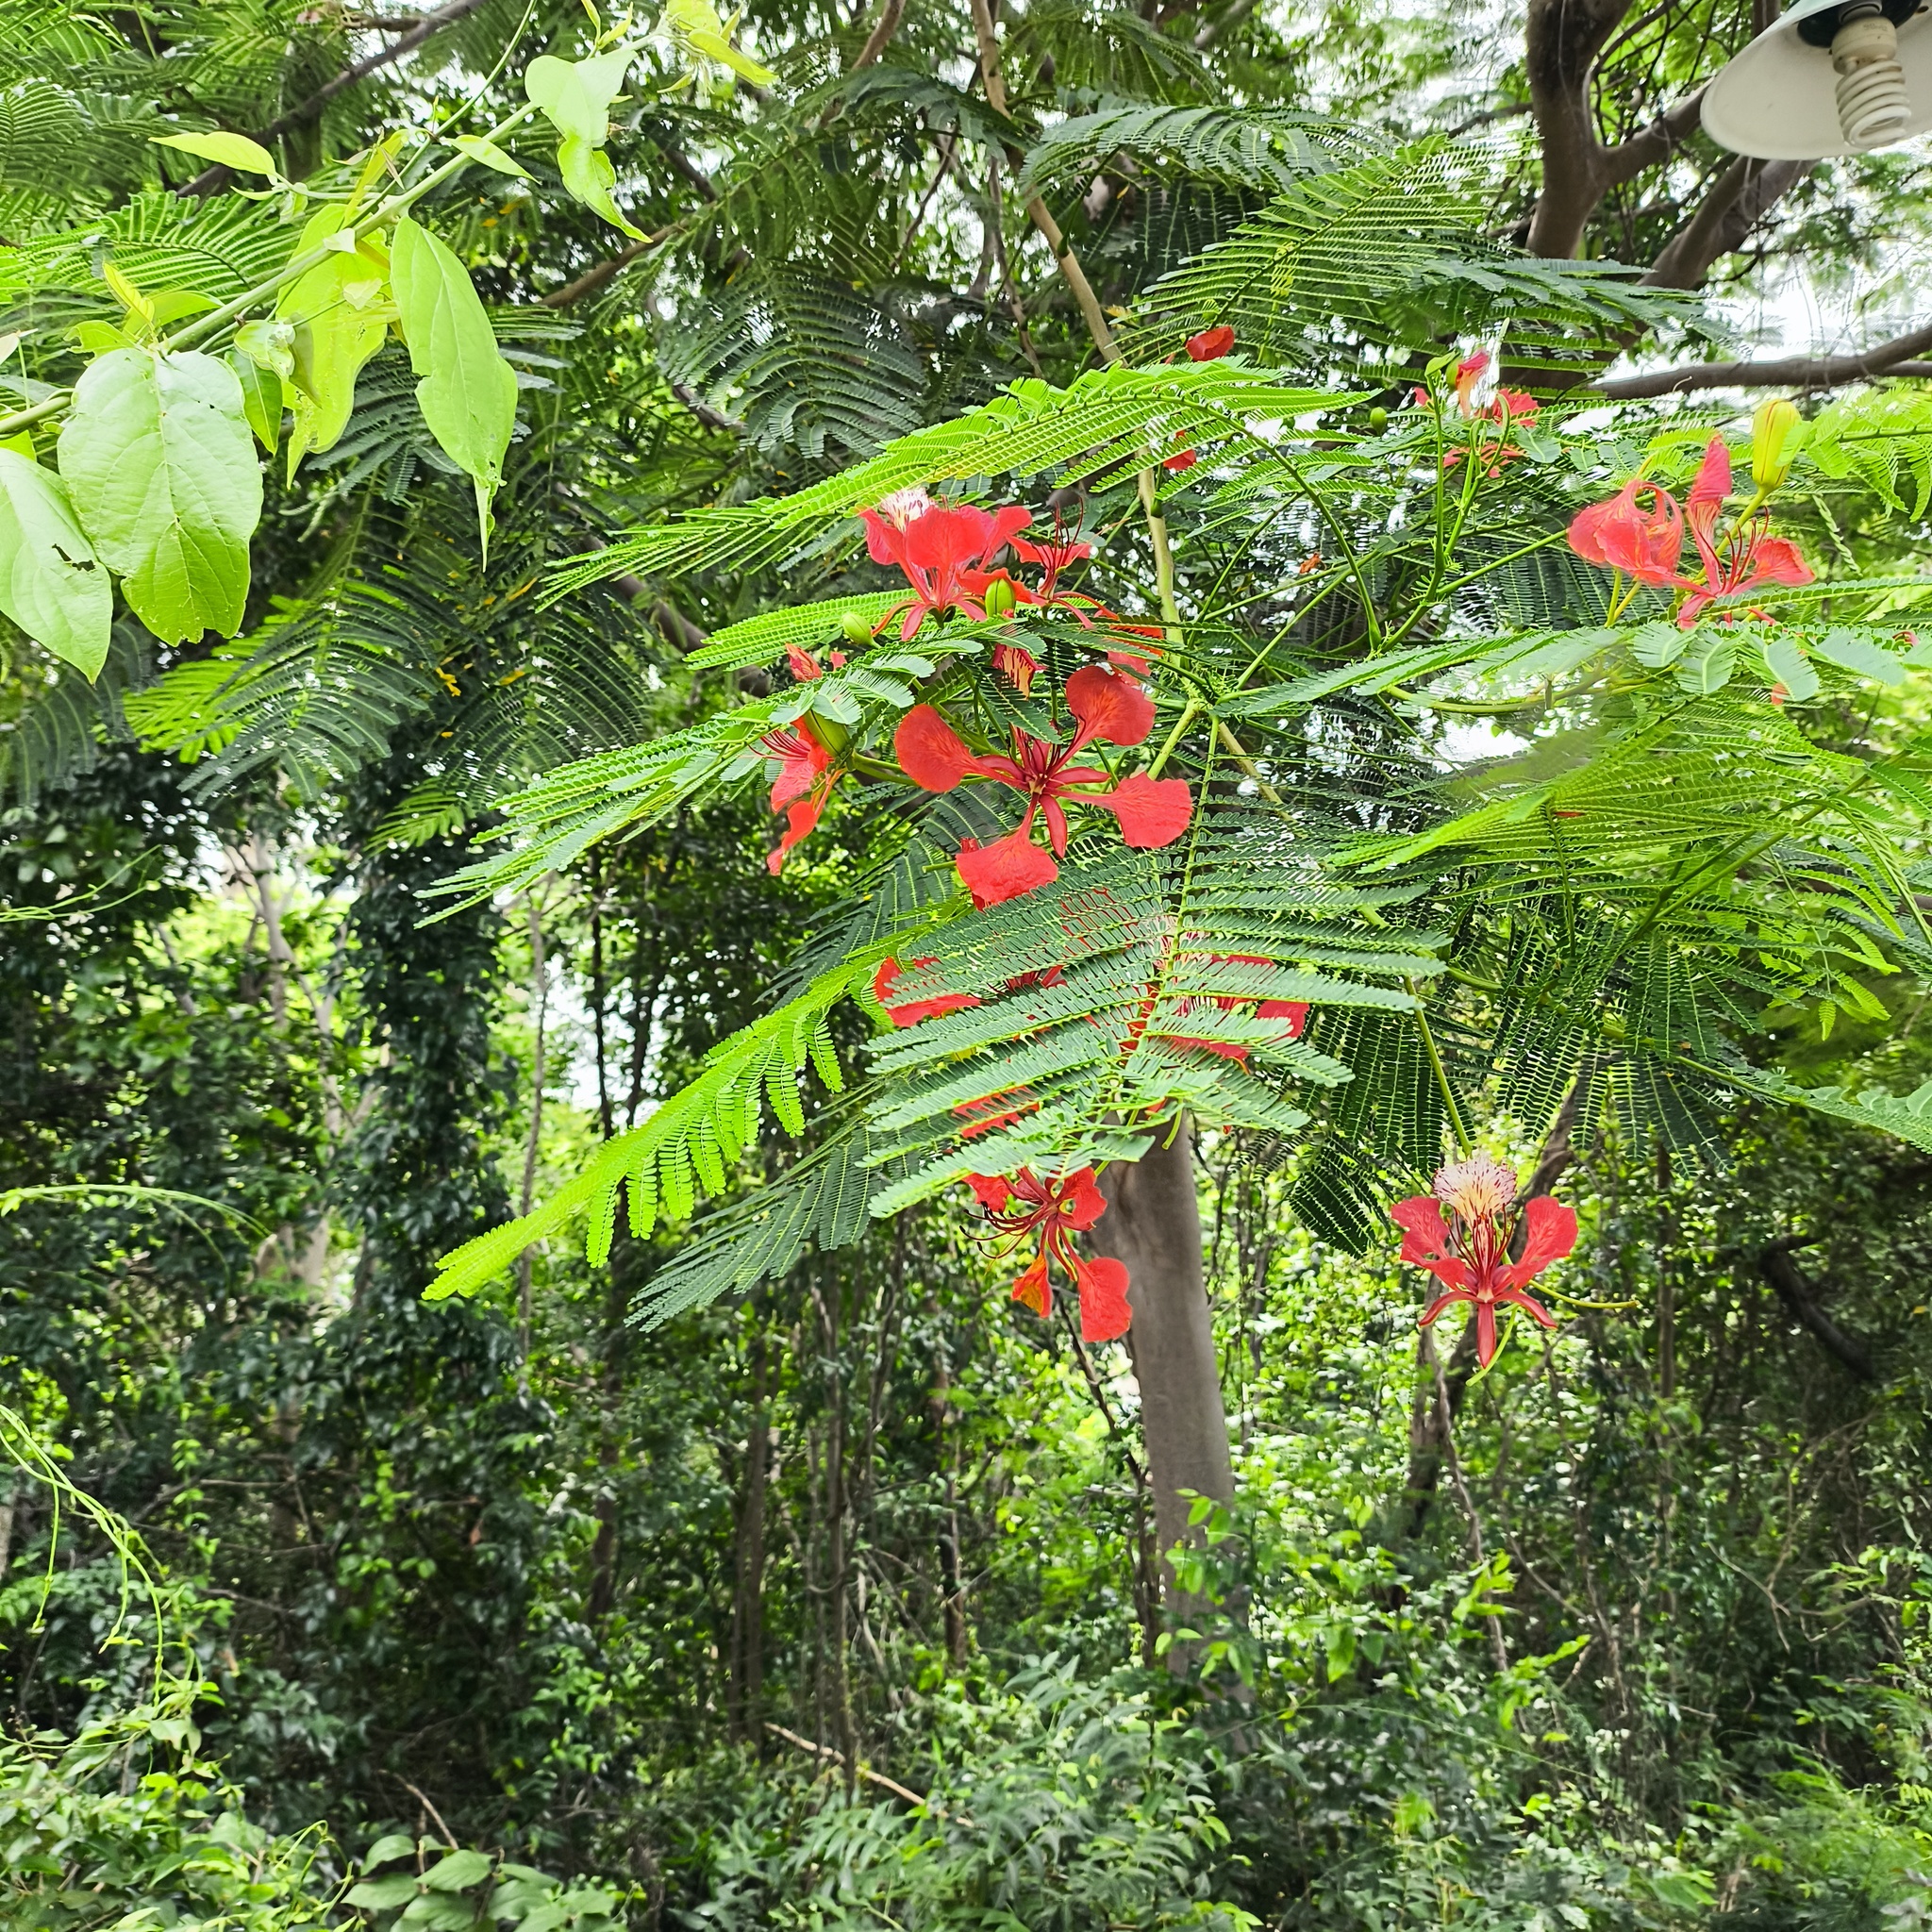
pixel 1104 1310
pixel 800 820
pixel 1777 560
pixel 1294 1011
pixel 1009 867
pixel 992 1188
pixel 1033 1290
pixel 804 667
pixel 1186 460
pixel 1152 811
pixel 947 536
pixel 885 542
pixel 1080 1199
pixel 1211 343
pixel 1108 707
pixel 930 752
pixel 911 1012
pixel 1550 1233
pixel 1713 482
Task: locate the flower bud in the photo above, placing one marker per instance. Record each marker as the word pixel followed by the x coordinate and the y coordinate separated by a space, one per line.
pixel 1378 419
pixel 1778 433
pixel 855 628
pixel 998 598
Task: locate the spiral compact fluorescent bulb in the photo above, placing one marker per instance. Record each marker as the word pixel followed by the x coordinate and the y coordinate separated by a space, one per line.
pixel 1873 107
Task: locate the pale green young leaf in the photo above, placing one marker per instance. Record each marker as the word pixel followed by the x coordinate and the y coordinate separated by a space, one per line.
pixel 467 392
pixel 262 398
pixel 159 460
pixel 225 149
pixel 339 315
pixel 1847 648
pixel 51 583
pixel 575 96
pixel 490 155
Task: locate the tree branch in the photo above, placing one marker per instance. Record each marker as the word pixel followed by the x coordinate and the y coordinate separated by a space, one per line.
pixel 1893 357
pixel 212 180
pixel 1561 41
pixel 881 36
pixel 1801 1303
pixel 1736 201
pixel 1655 143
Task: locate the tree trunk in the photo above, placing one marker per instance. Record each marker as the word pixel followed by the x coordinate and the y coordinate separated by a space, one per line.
pixel 748 1601
pixel 945 1457
pixel 1153 1223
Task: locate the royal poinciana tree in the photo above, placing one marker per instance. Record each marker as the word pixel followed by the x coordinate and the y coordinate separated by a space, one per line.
pixel 1152 695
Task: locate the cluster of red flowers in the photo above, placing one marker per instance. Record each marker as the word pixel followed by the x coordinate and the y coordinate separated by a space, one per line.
pixel 1643 541
pixel 949 555
pixel 1470 1254
pixel 1109 705
pixel 1023 1204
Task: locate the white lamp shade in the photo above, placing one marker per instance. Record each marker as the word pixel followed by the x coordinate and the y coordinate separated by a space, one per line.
pixel 1776 99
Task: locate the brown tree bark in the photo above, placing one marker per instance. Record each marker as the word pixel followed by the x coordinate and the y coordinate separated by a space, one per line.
pixel 748 1596
pixel 1153 1223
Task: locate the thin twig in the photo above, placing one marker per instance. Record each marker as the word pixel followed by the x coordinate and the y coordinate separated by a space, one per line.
pixel 866 1771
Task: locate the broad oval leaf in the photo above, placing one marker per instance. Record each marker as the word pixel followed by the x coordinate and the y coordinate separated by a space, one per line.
pixel 384 1894
pixel 51 583
pixel 468 393
pixel 456 1872
pixel 160 466
pixel 227 150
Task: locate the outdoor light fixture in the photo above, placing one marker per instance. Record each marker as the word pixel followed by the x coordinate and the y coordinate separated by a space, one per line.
pixel 1832 77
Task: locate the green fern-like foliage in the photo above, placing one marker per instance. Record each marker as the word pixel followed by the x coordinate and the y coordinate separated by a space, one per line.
pixel 802 361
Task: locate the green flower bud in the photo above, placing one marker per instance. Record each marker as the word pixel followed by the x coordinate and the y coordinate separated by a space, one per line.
pixel 857 628
pixel 998 600
pixel 1378 419
pixel 1778 433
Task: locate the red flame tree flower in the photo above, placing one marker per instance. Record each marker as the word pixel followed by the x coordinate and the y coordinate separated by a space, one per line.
pixel 1469 1253
pixel 1644 541
pixel 946 552
pixel 1152 811
pixel 804 781
pixel 1022 1204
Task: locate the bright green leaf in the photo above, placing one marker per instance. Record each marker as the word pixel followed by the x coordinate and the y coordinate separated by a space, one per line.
pixel 270 343
pixel 339 318
pixel 456 1872
pixel 394 1844
pixel 227 150
pixel 468 393
pixel 489 153
pixel 159 460
pixel 1708 665
pixel 575 95
pixel 51 583
pixel 1846 647
pixel 1789 667
pixel 384 1894
pixel 262 398
pixel 589 177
